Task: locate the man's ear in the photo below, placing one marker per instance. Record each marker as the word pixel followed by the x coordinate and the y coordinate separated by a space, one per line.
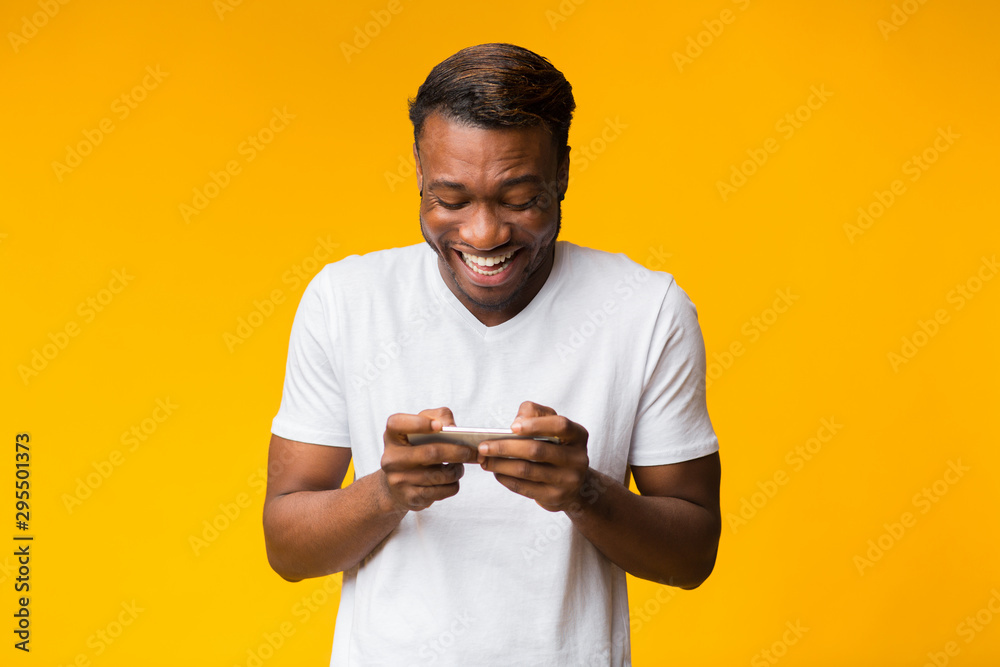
pixel 562 174
pixel 420 173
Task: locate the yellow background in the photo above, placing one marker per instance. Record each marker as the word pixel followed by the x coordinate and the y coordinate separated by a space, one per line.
pixel 651 192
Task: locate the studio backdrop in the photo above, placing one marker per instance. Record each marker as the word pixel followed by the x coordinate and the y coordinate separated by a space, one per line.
pixel 820 178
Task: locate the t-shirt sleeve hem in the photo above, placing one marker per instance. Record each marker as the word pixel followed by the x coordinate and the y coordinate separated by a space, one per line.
pixel 674 454
pixel 292 431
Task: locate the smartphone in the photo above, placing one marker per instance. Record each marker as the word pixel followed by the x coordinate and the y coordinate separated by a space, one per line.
pixel 471 437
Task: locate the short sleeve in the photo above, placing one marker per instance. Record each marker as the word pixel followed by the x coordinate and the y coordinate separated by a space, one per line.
pixel 672 422
pixel 313 408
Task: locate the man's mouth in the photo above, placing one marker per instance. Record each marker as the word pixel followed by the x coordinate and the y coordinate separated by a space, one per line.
pixel 488 266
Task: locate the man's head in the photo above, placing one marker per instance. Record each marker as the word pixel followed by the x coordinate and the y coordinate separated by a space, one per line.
pixel 490 127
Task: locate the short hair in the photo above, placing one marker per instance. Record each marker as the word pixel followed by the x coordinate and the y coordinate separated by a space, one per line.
pixel 496 86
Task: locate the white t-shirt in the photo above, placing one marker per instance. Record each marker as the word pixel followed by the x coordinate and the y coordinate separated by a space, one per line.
pixel 487 577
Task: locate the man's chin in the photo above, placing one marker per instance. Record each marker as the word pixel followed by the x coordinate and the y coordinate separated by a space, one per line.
pixel 485 298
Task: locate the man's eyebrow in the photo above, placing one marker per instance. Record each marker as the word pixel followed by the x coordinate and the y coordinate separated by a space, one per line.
pixel 510 182
pixel 441 183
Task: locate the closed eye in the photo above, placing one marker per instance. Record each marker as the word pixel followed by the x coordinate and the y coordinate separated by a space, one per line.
pixel 517 207
pixel 453 207
pixel 521 207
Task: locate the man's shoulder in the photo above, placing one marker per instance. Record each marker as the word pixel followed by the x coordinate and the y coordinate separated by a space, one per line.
pixel 382 259
pixel 371 269
pixel 588 266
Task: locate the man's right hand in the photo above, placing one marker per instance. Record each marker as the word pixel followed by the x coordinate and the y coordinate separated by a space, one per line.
pixel 418 475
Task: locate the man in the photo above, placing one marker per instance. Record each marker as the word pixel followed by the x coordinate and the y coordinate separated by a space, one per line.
pixel 515 554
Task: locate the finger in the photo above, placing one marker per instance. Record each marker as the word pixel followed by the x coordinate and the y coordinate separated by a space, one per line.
pixel 434 453
pixel 549 498
pixel 568 431
pixel 526 470
pixel 523 487
pixel 442 475
pixel 442 414
pixel 399 424
pixel 529 409
pixel 402 457
pixel 530 450
pixel 446 473
pixel 421 497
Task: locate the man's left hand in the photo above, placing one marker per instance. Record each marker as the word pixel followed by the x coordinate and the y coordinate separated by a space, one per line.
pixel 551 474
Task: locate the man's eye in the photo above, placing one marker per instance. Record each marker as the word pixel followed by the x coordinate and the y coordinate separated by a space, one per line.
pixel 516 207
pixel 525 205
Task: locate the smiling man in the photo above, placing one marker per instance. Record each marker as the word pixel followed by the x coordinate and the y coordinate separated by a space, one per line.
pixel 515 553
pixel 479 177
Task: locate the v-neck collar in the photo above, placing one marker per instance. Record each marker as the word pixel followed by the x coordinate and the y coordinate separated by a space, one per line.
pixel 503 329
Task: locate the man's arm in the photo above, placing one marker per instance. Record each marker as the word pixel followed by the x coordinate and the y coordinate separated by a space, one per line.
pixel 668 534
pixel 312 527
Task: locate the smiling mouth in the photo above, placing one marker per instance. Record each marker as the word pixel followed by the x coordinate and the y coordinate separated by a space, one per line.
pixel 488 266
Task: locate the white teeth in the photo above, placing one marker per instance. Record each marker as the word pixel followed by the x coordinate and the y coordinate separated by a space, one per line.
pixel 475 262
pixel 485 261
pixel 489 273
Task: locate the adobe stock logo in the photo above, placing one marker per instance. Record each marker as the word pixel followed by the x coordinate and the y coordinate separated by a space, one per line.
pixel 640 614
pixel 60 339
pixel 104 468
pixel 390 349
pixel 923 501
pixel 967 629
pixel 585 154
pixel 221 7
pixel 104 637
pixel 578 335
pixel 269 643
pixel 959 297
pixel 381 18
pixel 753 328
pixel 779 648
pixel 249 148
pixel 37 21
pixel 121 107
pixel 796 458
pixel 406 166
pixel 714 27
pixel 914 167
pixel 900 14
pixel 565 9
pixel 787 126
pixel 299 273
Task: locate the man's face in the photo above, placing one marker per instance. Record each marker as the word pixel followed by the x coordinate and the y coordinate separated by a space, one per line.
pixel 490 209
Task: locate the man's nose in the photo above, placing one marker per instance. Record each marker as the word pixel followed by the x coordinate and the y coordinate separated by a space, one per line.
pixel 485 228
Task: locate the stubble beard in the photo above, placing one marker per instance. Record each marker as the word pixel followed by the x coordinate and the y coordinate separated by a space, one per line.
pixel 496 306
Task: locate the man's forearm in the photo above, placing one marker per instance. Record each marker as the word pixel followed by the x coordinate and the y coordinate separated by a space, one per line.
pixel 669 540
pixel 315 533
